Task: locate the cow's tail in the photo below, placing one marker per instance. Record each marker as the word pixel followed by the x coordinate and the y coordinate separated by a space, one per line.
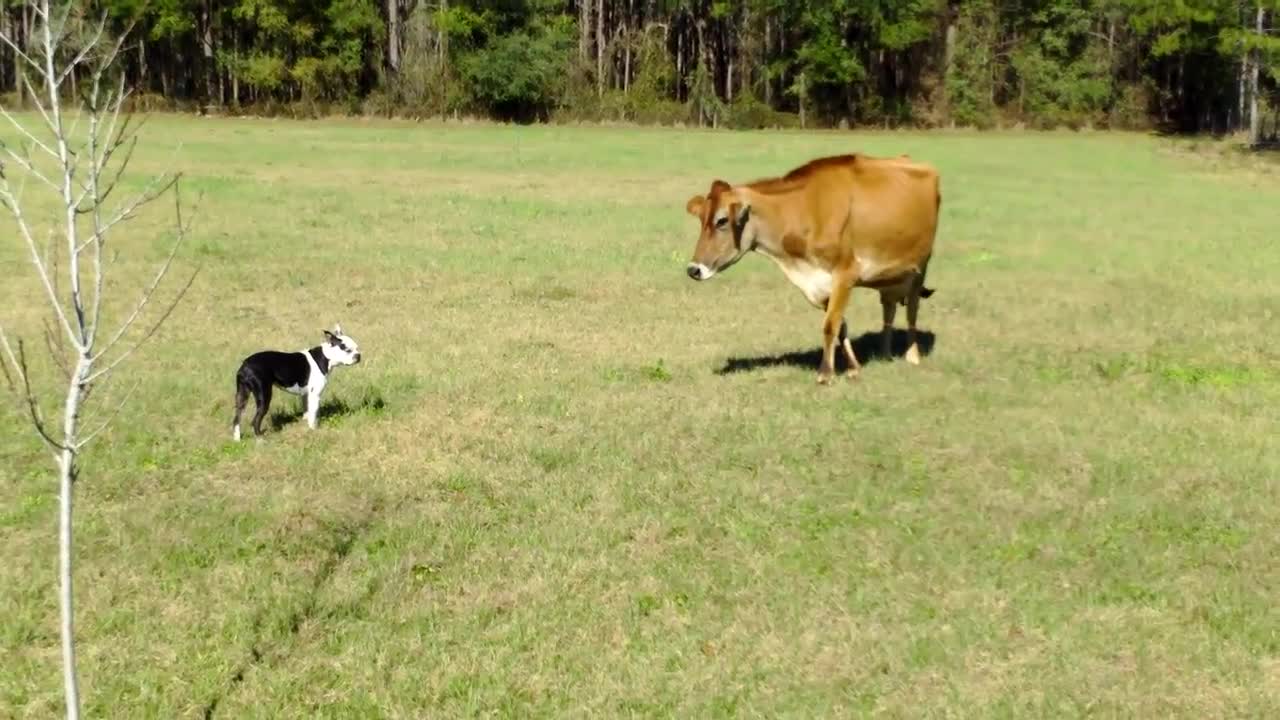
pixel 924 291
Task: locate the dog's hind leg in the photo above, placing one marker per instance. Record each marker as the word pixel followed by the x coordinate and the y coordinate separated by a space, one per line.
pixel 242 399
pixel 261 393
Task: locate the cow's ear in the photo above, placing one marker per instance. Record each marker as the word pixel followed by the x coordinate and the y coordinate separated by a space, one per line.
pixel 695 205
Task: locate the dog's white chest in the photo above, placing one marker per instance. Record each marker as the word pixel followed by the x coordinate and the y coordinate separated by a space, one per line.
pixel 315 379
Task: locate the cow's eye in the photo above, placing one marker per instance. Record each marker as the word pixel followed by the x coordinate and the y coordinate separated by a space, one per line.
pixel 722 221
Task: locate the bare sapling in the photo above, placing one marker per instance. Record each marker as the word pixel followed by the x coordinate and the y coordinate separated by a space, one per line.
pixel 75 145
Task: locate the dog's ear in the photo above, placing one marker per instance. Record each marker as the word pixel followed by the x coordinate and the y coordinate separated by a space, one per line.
pixel 333 339
pixel 337 329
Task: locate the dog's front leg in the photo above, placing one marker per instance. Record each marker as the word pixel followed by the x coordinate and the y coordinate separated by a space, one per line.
pixel 313 408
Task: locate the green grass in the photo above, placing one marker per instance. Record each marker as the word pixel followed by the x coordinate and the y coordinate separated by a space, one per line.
pixel 568 481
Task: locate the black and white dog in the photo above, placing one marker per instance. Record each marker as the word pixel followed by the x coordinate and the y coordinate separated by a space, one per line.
pixel 305 372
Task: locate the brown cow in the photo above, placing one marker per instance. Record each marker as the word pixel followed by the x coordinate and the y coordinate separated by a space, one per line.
pixel 832 224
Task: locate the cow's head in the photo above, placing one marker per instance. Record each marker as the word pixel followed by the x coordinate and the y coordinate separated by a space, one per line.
pixel 724 238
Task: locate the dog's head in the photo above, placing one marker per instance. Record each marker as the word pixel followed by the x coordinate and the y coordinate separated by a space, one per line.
pixel 340 348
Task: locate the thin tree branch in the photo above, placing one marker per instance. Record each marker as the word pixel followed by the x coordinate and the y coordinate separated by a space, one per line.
pixel 35 99
pixel 17 51
pixel 182 228
pixel 61 33
pixel 84 51
pixel 95 173
pixel 149 194
pixel 22 129
pixel 115 178
pixel 26 164
pixel 4 364
pixel 127 135
pixel 88 438
pixel 19 363
pixel 172 306
pixel 7 199
pixel 56 350
pixel 115 141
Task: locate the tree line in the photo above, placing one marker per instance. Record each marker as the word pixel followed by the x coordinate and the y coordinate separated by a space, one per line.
pixel 1182 65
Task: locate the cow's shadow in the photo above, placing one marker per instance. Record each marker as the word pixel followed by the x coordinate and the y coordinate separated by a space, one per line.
pixel 866 348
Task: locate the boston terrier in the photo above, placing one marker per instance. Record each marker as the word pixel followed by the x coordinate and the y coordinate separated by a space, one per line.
pixel 302 373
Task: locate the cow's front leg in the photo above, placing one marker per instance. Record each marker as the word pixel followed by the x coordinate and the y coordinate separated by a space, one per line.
pixel 830 328
pixel 854 367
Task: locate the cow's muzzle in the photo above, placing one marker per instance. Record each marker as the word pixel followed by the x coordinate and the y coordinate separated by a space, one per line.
pixel 698 271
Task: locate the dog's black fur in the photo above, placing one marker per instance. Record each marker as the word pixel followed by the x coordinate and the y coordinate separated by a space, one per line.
pixel 304 373
pixel 261 371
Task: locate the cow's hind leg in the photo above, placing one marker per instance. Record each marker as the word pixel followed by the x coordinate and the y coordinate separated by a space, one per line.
pixel 913 309
pixel 889 306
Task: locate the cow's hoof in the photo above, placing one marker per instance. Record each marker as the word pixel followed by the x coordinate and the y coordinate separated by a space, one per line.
pixel 853 373
pixel 913 355
pixel 824 378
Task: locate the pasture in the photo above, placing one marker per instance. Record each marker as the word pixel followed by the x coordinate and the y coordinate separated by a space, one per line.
pixel 567 481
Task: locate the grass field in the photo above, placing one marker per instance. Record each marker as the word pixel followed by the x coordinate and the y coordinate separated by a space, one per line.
pixel 567 481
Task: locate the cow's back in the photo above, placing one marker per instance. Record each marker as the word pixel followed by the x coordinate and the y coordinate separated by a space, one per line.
pixel 893 212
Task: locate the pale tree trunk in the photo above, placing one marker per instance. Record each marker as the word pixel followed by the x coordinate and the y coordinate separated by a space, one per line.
pixel 679 62
pixel 206 43
pixel 1255 121
pixel 782 75
pixel 802 94
pixel 584 29
pixel 600 48
pixel 393 35
pixel 626 39
pixel 66 484
pixel 626 67
pixel 768 81
pixel 13 28
pixel 4 30
pixel 444 38
pixel 1242 91
pixel 235 70
pixel 24 31
pixel 949 51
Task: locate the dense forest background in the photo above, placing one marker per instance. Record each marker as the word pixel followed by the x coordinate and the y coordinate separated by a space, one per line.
pixel 1181 65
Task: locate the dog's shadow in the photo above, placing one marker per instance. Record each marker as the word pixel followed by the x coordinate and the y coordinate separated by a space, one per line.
pixel 330 408
pixel 867 348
